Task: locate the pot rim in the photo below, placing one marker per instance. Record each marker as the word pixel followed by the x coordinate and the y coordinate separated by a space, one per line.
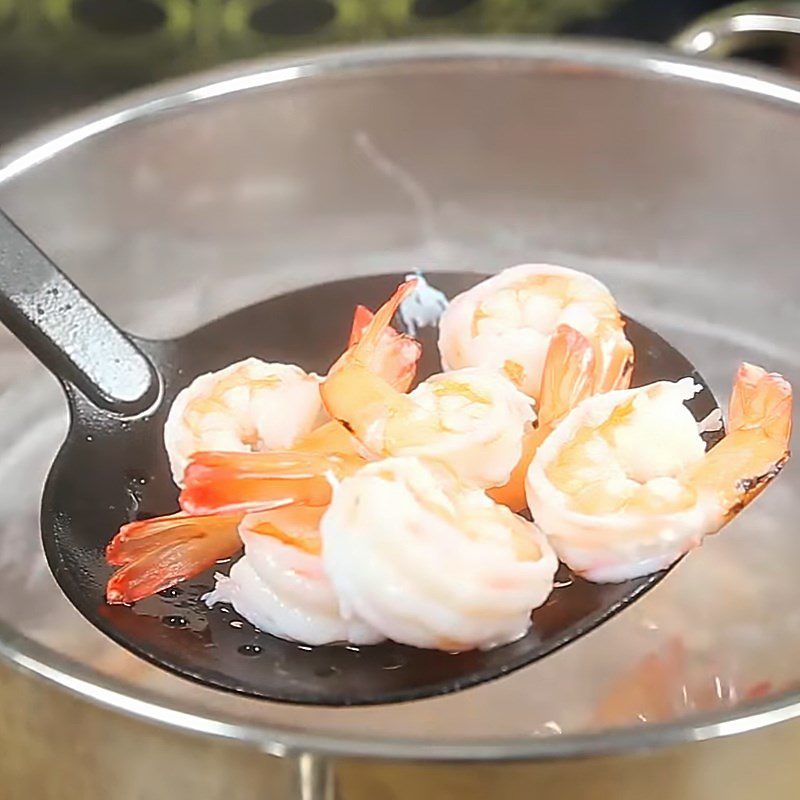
pixel 33 149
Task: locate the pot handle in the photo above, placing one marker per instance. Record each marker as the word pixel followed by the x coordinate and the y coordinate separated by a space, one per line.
pixel 722 32
pixel 64 329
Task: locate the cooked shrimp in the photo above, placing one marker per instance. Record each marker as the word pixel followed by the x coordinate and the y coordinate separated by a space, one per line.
pixel 249 406
pixel 446 568
pixel 471 419
pixel 217 482
pixel 280 585
pixel 567 379
pixel 507 321
pixel 254 406
pixel 155 554
pixel 623 487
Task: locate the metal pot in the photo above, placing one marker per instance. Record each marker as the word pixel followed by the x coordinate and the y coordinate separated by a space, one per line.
pixel 673 180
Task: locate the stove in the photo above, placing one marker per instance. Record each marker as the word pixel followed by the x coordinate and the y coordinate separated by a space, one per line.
pixel 57 56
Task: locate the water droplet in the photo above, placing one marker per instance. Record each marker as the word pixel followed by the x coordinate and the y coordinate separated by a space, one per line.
pixel 236 623
pixel 393 662
pixel 305 648
pixel 142 481
pixel 90 438
pixel 250 650
pixel 352 648
pixel 173 591
pixel 325 672
pixel 175 621
pixel 223 610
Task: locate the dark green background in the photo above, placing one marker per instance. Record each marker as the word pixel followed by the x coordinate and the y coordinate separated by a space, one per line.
pixel 59 55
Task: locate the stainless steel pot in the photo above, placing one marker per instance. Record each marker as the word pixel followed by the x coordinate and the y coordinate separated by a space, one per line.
pixel 674 180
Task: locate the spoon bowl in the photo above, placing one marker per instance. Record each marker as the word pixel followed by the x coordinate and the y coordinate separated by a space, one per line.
pixel 112 469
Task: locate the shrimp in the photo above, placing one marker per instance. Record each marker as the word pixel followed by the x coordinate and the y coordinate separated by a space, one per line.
pixel 448 568
pixel 249 406
pixel 157 553
pixel 623 487
pixel 225 481
pixel 567 379
pixel 471 419
pixel 507 321
pixel 280 584
pixel 255 406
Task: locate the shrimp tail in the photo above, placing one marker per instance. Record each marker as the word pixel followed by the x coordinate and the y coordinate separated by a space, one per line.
pixel 390 354
pixel 330 437
pixel 359 388
pixel 367 347
pixel 567 378
pixel 568 375
pixel 297 526
pixel 761 399
pixel 217 482
pixel 619 370
pixel 361 318
pixel 756 446
pixel 157 553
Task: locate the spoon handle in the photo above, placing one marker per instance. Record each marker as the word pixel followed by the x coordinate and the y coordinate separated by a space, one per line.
pixel 66 331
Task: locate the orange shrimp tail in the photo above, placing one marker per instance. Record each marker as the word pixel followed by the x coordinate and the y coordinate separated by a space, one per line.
pixel 330 438
pixel 361 318
pixel 374 343
pixel 567 378
pixel 157 553
pixel 297 526
pixel 618 372
pixel 227 482
pixel 568 375
pixel 367 347
pixel 512 493
pixel 756 446
pixel 761 399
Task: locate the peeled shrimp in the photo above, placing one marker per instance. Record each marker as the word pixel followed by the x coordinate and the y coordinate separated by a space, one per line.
pixel 226 481
pixel 507 321
pixel 430 562
pixel 249 406
pixel 255 406
pixel 623 487
pixel 473 420
pixel 280 585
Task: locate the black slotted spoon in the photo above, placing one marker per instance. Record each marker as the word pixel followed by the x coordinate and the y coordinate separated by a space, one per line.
pixel 112 468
